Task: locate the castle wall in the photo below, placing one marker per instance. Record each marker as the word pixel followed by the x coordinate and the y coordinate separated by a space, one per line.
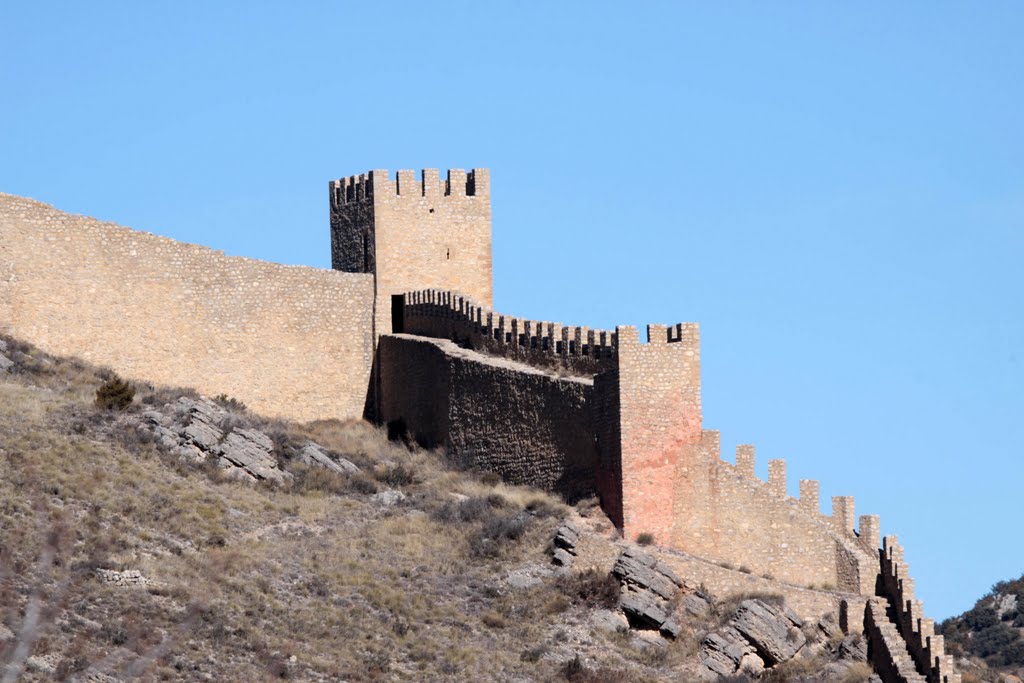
pixel 288 341
pixel 723 512
pixel 493 414
pixel 424 232
pixel 658 386
pixel 546 345
pixel 724 582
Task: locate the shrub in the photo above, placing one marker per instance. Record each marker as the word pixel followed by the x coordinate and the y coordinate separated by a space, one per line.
pixel 395 476
pixel 534 653
pixel 230 403
pixel 591 588
pixel 115 394
pixel 490 478
pixel 494 620
pixel 489 541
pixel 645 538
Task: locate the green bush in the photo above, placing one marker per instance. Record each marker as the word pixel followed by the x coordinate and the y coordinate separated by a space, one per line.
pixel 645 538
pixel 115 394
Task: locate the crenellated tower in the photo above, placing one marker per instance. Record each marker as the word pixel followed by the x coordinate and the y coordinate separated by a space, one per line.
pixel 414 233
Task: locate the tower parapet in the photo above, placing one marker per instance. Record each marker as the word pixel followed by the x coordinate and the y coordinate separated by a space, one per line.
pixel 414 232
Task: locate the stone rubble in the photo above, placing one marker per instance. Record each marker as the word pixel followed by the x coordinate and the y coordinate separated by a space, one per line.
pixel 127 579
pixel 388 498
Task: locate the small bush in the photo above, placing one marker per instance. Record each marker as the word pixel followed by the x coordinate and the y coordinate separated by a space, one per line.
pixel 494 620
pixel 230 403
pixel 591 588
pixel 576 671
pixel 534 653
pixel 491 538
pixel 490 478
pixel 645 538
pixel 395 476
pixel 115 394
pixel 541 507
pixel 858 672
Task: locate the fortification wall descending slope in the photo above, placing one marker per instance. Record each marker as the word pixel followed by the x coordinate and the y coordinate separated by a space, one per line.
pixel 927 648
pixel 491 413
pixel 289 341
pixel 724 512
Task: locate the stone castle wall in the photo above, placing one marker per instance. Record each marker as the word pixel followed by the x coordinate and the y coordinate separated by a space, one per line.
pixel 493 414
pixel 288 341
pixel 654 467
pixel 447 315
pixel 723 512
pixel 414 233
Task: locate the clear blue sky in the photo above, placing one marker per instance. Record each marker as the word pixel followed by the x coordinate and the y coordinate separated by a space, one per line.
pixel 835 191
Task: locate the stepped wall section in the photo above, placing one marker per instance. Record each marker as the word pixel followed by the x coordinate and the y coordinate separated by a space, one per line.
pixel 925 646
pixel 288 341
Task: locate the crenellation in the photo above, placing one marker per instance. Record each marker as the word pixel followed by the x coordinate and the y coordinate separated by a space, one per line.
pixel 777 477
pixel 869 536
pixel 842 515
pixel 565 407
pixel 745 461
pixel 810 497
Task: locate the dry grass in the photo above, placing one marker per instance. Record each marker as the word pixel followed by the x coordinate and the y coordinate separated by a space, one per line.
pixel 315 582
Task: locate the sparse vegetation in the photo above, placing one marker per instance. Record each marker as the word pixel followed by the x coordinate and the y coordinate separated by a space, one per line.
pixel 591 588
pixel 992 630
pixel 115 394
pixel 645 538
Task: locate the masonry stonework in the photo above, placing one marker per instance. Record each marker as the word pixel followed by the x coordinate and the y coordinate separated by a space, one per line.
pixel 403 330
pixel 414 233
pixel 491 413
pixel 288 341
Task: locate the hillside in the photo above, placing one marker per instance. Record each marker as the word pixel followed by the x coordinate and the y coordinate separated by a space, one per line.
pixel 184 539
pixel 990 635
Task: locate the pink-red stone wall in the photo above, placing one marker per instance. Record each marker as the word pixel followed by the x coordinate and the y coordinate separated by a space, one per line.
pixel 659 417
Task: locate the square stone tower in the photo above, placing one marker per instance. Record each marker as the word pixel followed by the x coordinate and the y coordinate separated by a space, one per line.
pixel 414 233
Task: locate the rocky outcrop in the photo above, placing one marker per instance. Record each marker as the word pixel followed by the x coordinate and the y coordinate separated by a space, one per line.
pixel 773 630
pixel 5 363
pixel 130 578
pixel 648 588
pixel 563 545
pixel 761 635
pixel 312 454
pixel 199 430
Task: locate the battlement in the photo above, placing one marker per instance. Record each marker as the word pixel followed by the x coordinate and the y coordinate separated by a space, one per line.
pixel 448 315
pixel 927 648
pixel 365 186
pixel 809 501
